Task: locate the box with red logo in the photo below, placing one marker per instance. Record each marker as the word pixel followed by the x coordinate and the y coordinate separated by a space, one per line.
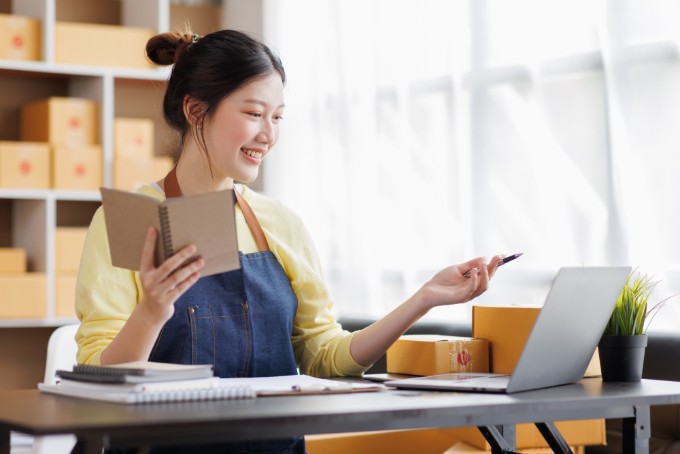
pixel 77 167
pixel 427 354
pixel 133 138
pixel 24 165
pixel 19 37
pixel 60 121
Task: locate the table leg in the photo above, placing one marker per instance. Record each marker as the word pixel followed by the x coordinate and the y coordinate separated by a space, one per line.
pixel 4 441
pixel 88 446
pixel 636 431
pixel 501 438
pixel 554 438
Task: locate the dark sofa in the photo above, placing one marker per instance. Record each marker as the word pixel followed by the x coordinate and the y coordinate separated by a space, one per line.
pixel 662 362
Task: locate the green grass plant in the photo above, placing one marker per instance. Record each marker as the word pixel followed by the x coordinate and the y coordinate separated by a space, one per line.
pixel 631 315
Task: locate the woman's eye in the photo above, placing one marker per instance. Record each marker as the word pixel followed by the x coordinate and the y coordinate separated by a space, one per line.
pixel 255 114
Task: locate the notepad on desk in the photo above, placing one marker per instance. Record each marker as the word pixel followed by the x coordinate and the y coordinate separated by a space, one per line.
pixel 205 220
pixel 136 372
pixel 155 392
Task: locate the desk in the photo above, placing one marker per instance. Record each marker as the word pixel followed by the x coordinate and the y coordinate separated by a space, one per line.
pixel 98 424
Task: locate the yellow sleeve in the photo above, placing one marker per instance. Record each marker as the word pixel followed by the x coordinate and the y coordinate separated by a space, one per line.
pixel 105 295
pixel 320 344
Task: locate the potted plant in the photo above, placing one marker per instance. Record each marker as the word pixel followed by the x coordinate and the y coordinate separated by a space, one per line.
pixel 622 347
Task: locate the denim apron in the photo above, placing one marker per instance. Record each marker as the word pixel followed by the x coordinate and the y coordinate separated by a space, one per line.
pixel 239 321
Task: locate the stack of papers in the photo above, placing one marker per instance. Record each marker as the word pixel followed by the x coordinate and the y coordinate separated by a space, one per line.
pixel 148 382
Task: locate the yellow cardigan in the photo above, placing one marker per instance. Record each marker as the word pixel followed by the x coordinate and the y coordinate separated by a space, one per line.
pixel 107 295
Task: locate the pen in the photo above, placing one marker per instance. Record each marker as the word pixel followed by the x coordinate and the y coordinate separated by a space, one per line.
pixel 503 261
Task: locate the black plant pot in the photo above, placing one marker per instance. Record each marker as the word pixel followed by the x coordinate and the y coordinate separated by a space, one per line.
pixel 622 357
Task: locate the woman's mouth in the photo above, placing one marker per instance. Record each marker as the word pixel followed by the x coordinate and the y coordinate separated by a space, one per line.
pixel 252 153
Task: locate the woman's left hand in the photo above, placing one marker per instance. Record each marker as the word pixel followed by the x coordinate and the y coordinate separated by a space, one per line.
pixel 459 283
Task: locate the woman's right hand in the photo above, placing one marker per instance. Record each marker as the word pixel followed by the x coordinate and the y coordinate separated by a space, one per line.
pixel 163 285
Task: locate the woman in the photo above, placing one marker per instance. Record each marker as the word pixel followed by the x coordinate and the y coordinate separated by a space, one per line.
pixel 225 99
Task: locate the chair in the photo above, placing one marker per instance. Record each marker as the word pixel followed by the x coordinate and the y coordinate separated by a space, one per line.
pixel 61 354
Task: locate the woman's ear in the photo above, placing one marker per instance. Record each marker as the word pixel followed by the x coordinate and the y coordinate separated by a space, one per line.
pixel 194 110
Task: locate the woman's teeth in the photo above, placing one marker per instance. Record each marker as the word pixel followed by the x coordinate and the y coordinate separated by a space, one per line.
pixel 254 154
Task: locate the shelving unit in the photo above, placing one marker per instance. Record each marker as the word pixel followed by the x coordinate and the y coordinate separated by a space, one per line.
pixel 29 218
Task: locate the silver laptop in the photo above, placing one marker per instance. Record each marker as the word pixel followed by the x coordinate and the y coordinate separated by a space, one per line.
pixel 562 340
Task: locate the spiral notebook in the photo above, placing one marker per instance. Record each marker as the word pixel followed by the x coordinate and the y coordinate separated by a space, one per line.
pixel 204 220
pixel 136 372
pixel 142 393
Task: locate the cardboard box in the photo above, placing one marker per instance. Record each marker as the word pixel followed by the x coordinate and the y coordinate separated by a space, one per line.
pixel 12 260
pixel 19 37
pixel 69 243
pixel 24 165
pixel 464 448
pixel 576 433
pixel 425 441
pixel 23 295
pixel 101 45
pixel 133 138
pixel 65 295
pixel 129 174
pixel 77 167
pixel 60 121
pixel 423 354
pixel 507 329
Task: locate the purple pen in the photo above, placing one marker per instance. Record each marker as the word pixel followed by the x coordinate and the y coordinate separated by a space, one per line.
pixel 503 261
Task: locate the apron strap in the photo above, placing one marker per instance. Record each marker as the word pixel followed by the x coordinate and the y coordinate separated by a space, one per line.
pixel 172 189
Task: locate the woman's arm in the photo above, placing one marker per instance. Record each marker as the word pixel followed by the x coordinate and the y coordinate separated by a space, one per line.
pixel 449 286
pixel 162 287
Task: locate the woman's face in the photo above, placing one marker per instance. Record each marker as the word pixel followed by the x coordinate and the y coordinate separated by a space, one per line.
pixel 244 128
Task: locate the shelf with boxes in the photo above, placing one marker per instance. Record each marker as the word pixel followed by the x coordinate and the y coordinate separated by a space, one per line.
pixel 81 108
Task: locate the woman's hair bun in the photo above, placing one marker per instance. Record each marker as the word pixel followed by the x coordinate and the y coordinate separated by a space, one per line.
pixel 166 48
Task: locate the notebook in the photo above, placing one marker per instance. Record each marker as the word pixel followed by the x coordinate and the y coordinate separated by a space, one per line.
pixel 136 372
pixel 562 340
pixel 204 220
pixel 140 393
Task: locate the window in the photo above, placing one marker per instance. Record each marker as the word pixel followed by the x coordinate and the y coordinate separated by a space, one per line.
pixel 420 134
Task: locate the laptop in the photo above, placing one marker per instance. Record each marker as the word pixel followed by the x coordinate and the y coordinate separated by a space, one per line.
pixel 562 340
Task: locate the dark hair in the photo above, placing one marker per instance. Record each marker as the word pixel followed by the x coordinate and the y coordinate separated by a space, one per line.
pixel 208 69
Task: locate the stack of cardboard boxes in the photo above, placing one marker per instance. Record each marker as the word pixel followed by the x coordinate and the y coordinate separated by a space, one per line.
pixel 134 161
pixel 70 127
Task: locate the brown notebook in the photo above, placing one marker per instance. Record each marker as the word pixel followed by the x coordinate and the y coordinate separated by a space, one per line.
pixel 204 220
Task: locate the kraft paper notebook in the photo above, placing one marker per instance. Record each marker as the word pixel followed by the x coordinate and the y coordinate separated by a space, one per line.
pixel 204 220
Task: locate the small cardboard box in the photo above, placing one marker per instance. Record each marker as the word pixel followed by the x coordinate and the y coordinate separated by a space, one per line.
pixel 69 242
pixel 129 174
pixel 423 354
pixel 133 138
pixel 19 37
pixel 23 295
pixel 101 45
pixel 65 295
pixel 77 167
pixel 24 165
pixel 12 260
pixel 60 121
